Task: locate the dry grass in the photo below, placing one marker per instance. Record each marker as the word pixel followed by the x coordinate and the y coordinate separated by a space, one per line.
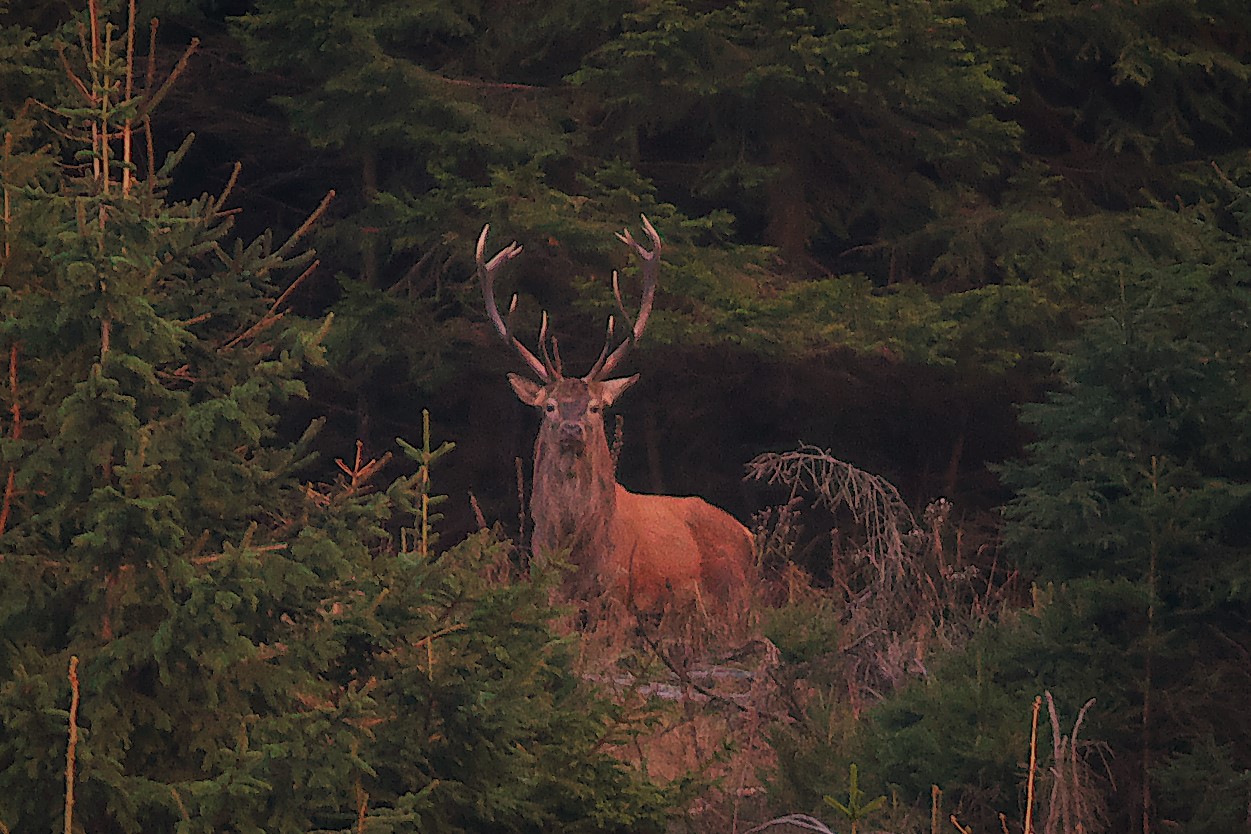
pixel 704 692
pixel 1075 791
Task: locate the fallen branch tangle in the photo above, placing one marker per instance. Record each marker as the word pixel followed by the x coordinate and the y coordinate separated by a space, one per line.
pixel 873 501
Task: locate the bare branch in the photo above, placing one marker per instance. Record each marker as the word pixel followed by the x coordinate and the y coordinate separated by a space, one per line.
pixel 873 501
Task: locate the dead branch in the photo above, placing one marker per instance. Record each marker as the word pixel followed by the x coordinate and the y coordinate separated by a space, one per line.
pixel 873 501
pixel 1075 804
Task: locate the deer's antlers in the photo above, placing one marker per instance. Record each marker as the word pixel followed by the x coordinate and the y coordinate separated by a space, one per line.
pixel 651 269
pixel 545 371
pixel 548 369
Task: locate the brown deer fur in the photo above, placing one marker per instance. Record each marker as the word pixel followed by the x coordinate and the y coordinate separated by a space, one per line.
pixel 647 550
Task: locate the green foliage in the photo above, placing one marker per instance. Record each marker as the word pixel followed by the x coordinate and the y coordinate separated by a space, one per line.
pixel 1131 513
pixel 855 810
pixel 862 127
pixel 970 184
pixel 257 651
pixel 802 110
pixel 1136 88
pixel 966 726
pixel 804 629
pixel 1133 501
pixel 1137 491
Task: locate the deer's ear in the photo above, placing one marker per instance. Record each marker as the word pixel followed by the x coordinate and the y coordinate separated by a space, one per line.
pixel 614 388
pixel 528 391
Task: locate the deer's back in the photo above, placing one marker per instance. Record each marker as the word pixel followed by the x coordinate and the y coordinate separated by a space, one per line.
pixel 664 545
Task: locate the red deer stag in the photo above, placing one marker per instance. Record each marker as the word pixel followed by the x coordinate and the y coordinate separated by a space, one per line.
pixel 649 551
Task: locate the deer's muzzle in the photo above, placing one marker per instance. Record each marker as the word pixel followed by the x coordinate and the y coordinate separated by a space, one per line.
pixel 572 437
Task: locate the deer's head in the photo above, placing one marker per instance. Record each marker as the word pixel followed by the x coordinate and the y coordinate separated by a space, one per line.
pixel 572 407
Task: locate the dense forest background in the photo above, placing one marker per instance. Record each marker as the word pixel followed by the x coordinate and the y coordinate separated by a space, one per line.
pixel 994 251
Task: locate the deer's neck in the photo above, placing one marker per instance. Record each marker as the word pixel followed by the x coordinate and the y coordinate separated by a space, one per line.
pixel 573 498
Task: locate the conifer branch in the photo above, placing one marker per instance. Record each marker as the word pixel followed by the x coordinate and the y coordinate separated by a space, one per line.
pixel 362 806
pixel 93 17
pixel 130 52
pixel 259 548
pixel 230 185
pixel 8 208
pixel 182 808
pixel 150 149
pixel 428 643
pixel 152 101
pixel 150 76
pixel 1033 767
pixel 292 288
pixel 146 119
pixel 412 273
pixel 272 316
pixel 73 76
pixel 180 374
pixel 361 472
pixel 198 547
pixel 101 128
pixel 306 225
pixel 9 488
pixel 479 84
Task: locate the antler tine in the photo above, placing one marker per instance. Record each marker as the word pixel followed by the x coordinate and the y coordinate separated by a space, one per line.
pixel 486 274
pixel 512 309
pixel 651 269
pixel 553 368
pixel 625 314
pixel 598 367
pixel 628 239
pixel 560 366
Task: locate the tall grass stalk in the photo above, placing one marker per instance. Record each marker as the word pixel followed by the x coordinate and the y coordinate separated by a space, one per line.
pixel 71 749
pixel 1033 766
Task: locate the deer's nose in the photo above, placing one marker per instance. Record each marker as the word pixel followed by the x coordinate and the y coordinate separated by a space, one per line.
pixel 571 431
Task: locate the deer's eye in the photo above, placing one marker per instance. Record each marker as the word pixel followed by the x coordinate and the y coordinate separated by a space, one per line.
pixel 596 408
pixel 551 408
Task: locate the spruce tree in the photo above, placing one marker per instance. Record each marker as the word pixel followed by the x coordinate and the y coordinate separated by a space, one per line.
pixel 1134 502
pixel 1130 516
pixel 193 636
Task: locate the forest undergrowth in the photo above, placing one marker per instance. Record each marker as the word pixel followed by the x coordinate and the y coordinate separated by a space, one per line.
pixel 717 712
pixel 821 647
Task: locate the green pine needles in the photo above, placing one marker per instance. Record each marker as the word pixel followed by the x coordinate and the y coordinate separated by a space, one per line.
pixel 248 650
pixel 855 810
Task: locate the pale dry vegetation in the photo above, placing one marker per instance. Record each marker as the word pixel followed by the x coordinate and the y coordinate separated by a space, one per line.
pixel 712 693
pixel 898 586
